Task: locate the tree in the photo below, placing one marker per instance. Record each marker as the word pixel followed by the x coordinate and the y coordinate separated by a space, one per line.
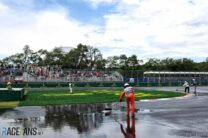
pixel 113 62
pixel 82 56
pixel 77 58
pixel 88 57
pixel 123 62
pixel 34 58
pixel 55 57
pixel 168 64
pixel 101 64
pixel 26 54
pixel 70 59
pixel 94 57
pixel 203 66
pixel 185 64
pixel 14 59
pixel 133 62
pixel 41 55
pixel 152 64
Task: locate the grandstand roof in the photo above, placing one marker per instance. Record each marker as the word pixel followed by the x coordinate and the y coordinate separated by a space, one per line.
pixel 169 72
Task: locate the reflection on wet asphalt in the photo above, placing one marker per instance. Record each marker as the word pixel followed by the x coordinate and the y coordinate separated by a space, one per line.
pixel 85 120
pixel 158 119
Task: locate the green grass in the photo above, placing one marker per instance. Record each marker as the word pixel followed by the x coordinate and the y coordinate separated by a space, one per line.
pixel 10 104
pixel 48 97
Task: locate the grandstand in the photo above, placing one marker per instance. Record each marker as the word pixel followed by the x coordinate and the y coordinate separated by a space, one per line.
pixel 74 76
pixel 166 76
pixel 11 72
pixel 93 76
pixel 34 73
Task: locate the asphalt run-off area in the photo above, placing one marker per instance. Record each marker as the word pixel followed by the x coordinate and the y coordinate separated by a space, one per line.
pixel 173 118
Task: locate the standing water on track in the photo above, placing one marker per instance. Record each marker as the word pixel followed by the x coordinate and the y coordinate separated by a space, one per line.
pixel 82 120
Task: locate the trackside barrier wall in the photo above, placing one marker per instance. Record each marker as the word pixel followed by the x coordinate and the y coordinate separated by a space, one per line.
pixel 92 84
pixel 11 95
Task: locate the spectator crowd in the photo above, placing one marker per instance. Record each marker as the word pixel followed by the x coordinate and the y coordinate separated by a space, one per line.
pixel 10 71
pixel 34 73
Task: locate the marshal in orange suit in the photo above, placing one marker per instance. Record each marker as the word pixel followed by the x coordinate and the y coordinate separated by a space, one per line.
pixel 129 94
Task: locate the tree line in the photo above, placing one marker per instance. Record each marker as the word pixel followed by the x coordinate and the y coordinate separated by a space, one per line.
pixel 88 57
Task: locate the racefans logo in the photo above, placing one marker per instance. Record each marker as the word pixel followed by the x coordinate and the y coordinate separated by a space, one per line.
pixel 18 131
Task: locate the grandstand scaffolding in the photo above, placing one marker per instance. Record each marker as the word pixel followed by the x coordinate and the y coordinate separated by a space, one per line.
pixel 166 76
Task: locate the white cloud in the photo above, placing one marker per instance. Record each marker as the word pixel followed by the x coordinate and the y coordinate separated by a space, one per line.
pixel 147 28
pixel 96 3
pixel 3 8
pixel 152 28
pixel 45 29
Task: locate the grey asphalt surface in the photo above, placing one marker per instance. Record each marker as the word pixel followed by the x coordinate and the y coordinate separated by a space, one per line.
pixel 188 115
pixel 199 89
pixel 175 118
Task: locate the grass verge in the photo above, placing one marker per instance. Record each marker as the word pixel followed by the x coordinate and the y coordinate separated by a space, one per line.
pixel 9 104
pixel 61 97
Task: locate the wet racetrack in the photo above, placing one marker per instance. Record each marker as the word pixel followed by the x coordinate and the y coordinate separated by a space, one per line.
pixel 176 118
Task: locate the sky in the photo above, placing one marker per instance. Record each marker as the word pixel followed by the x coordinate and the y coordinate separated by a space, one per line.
pixel 146 28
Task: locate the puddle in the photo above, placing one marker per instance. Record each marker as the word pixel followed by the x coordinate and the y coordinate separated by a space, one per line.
pixel 83 120
pixel 145 111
